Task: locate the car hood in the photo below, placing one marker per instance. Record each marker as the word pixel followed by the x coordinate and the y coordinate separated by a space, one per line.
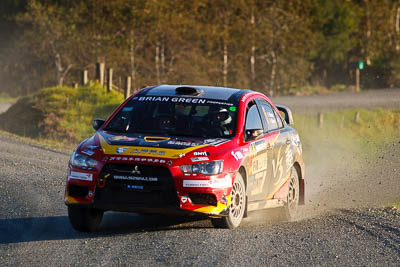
pixel 150 145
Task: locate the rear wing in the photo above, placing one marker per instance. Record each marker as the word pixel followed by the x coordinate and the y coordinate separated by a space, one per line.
pixel 287 114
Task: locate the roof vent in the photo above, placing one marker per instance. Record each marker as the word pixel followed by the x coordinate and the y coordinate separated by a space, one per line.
pixel 185 90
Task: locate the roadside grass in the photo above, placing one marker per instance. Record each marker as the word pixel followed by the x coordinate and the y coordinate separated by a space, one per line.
pixel 5 98
pixel 374 129
pixel 60 114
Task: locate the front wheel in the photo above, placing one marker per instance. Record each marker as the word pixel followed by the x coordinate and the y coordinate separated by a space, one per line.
pixel 292 201
pixel 236 208
pixel 85 219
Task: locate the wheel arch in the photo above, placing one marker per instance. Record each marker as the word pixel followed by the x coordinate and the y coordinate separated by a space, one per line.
pixel 242 171
pixel 297 166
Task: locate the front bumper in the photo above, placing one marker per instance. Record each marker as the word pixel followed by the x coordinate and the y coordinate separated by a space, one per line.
pixel 165 193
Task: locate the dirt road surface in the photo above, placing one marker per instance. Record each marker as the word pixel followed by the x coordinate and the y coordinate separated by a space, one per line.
pixel 343 222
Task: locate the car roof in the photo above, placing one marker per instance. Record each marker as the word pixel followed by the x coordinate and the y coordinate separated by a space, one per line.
pixel 208 92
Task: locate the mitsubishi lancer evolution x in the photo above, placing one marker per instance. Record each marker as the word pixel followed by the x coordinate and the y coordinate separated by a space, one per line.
pixel 174 149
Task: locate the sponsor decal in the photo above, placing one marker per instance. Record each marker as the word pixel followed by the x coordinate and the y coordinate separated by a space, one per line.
pixel 216 183
pixel 184 199
pixel 135 178
pixel 201 153
pixel 277 167
pixel 146 151
pixel 92 147
pixel 183 143
pixel 121 138
pixel 121 149
pixel 216 141
pixel 237 155
pixel 219 103
pixel 139 159
pixel 199 159
pixel 81 176
pixel 137 187
pixel 87 152
pixel 127 109
pixel 170 99
pixel 232 108
pixel 289 158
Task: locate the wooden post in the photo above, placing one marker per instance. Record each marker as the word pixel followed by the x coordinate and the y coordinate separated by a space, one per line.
pixel 84 80
pixel 357 117
pixel 342 122
pixel 109 79
pixel 320 119
pixel 127 89
pixel 100 66
pixel 76 85
pixel 357 80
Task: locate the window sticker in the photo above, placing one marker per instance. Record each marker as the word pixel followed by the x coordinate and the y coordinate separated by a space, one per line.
pixel 127 109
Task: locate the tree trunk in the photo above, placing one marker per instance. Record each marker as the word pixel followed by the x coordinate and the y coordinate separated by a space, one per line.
pixel 163 62
pixel 132 59
pixel 253 53
pixel 225 68
pixel 369 32
pixel 157 59
pixel 398 27
pixel 273 73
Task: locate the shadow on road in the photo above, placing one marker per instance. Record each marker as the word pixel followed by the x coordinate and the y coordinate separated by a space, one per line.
pixel 16 230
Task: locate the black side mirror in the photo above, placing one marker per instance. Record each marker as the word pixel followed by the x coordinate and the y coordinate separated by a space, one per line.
pixel 288 114
pixel 97 123
pixel 253 134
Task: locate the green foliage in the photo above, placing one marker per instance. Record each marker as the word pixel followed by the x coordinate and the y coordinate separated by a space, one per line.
pixel 60 113
pixel 262 45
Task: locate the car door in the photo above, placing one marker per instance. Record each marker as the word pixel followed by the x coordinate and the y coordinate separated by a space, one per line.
pixel 257 168
pixel 277 146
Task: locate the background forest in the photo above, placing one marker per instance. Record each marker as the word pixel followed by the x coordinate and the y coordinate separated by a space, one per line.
pixel 270 46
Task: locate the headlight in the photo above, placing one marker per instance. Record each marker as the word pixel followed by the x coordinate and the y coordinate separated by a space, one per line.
pixel 81 161
pixel 206 168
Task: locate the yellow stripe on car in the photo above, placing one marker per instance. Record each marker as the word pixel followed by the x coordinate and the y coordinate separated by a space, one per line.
pixel 215 210
pixel 145 151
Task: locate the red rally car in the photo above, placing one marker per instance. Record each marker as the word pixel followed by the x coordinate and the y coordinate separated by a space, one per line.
pixel 176 149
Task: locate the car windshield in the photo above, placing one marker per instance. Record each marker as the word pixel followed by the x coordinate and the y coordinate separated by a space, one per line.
pixel 206 118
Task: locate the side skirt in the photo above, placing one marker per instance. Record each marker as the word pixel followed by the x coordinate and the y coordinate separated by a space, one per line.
pixel 265 204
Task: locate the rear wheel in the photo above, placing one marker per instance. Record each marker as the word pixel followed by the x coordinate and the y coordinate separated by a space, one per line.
pixel 291 207
pixel 236 208
pixel 85 219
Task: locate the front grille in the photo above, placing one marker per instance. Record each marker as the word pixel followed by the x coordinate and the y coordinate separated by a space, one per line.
pixel 77 190
pixel 203 199
pixel 137 184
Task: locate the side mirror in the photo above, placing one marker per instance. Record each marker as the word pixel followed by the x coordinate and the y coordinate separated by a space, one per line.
pixel 253 134
pixel 287 114
pixel 97 123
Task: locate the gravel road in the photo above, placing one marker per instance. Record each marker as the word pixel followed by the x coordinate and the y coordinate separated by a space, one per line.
pixel 343 222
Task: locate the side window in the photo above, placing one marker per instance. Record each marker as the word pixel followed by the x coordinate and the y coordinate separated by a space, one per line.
pixel 269 116
pixel 253 120
pixel 279 120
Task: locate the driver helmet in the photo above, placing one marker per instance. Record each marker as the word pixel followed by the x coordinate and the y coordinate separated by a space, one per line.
pixel 220 117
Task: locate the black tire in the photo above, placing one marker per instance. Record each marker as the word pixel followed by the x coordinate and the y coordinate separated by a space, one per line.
pixel 291 206
pixel 85 219
pixel 236 208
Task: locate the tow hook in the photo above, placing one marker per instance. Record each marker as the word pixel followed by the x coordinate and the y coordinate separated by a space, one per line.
pixel 101 182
